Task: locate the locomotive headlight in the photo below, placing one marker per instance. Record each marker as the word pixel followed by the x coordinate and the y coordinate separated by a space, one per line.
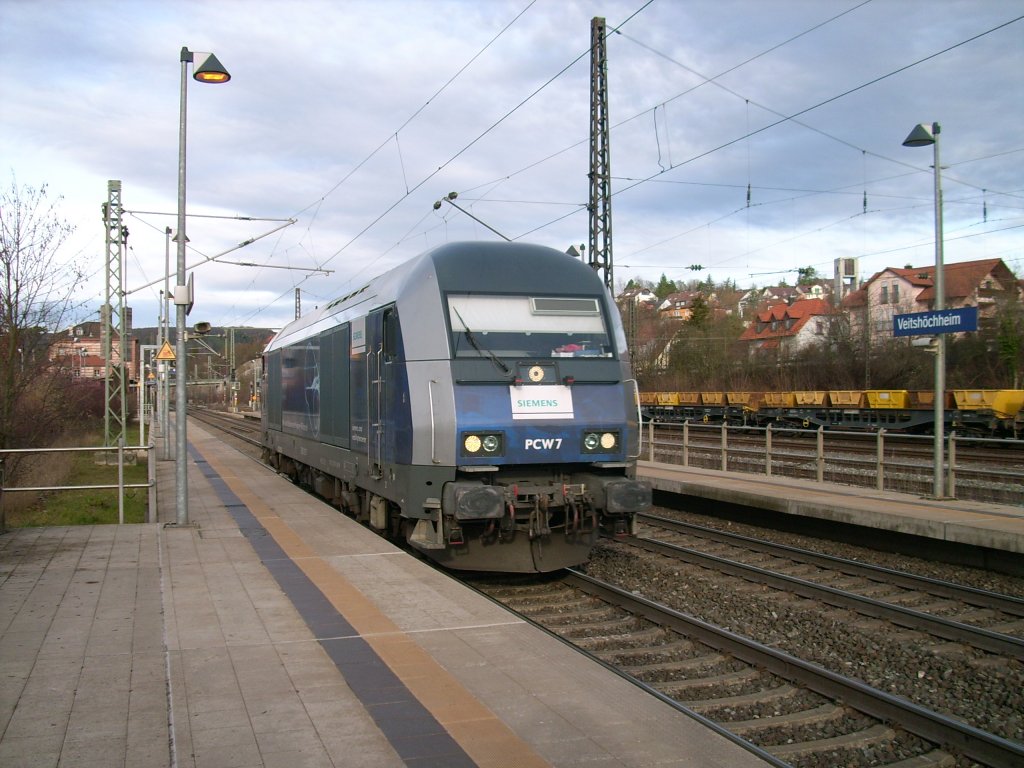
pixel 483 444
pixel 600 442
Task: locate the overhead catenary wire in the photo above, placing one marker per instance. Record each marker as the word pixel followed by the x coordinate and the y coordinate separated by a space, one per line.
pixel 791 118
pixel 457 154
pixel 784 118
pixel 654 177
pixel 317 203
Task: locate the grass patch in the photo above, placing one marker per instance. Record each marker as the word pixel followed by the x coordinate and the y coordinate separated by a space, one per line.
pixel 76 507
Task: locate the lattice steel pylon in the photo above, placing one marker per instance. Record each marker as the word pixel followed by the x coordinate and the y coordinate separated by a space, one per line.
pixel 600 204
pixel 112 318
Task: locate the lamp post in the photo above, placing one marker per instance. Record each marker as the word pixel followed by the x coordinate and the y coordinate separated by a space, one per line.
pixel 206 70
pixel 923 136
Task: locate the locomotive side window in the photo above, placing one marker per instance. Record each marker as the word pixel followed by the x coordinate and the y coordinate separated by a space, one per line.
pixel 527 326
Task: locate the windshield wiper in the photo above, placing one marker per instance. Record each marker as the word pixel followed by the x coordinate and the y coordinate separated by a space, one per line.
pixel 471 338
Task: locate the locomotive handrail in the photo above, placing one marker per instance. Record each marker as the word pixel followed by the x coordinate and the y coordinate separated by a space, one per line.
pixel 378 434
pixel 639 420
pixel 430 397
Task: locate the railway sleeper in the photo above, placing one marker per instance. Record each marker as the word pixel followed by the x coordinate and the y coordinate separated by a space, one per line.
pixel 934 759
pixel 858 740
pixel 677 649
pixel 969 615
pixel 695 663
pixel 613 643
pixel 689 672
pixel 1014 628
pixel 768 697
pixel 602 615
pixel 550 602
pixel 623 627
pixel 678 688
pixel 818 715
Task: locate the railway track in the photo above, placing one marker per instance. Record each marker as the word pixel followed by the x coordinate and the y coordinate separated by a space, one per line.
pixel 795 711
pixel 238 427
pixel 981 619
pixel 794 708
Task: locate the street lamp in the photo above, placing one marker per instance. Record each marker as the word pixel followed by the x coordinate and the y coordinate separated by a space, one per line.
pixel 206 69
pixel 923 136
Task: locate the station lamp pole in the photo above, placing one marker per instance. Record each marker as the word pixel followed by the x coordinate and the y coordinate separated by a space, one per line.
pixel 923 136
pixel 206 69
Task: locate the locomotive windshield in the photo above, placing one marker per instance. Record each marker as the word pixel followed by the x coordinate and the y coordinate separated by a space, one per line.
pixel 528 326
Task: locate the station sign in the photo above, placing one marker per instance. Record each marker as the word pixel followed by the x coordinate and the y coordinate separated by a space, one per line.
pixel 938 321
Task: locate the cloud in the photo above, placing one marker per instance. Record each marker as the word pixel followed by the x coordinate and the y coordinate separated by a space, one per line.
pixel 338 114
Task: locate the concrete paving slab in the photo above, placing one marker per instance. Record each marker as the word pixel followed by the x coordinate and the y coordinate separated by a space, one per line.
pixel 192 647
pixel 78 608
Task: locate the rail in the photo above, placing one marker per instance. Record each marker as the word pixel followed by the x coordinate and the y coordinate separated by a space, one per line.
pixel 939 626
pixel 755 450
pixel 985 748
pixel 120 485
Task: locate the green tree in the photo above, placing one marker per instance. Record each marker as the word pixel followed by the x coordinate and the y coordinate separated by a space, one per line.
pixel 665 287
pixel 806 275
pixel 708 357
pixel 1009 330
pixel 700 312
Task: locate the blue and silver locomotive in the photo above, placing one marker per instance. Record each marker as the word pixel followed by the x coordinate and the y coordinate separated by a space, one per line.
pixel 476 401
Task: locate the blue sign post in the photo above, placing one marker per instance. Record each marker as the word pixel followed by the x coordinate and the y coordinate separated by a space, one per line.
pixel 939 321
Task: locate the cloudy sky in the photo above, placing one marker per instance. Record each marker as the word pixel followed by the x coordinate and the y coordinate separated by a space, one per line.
pixel 353 118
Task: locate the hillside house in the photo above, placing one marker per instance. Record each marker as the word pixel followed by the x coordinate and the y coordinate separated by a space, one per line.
pixel 789 327
pixel 680 304
pixel 912 289
pixel 638 296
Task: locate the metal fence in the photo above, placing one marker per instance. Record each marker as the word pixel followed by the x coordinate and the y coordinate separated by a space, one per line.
pixel 121 486
pixel 893 462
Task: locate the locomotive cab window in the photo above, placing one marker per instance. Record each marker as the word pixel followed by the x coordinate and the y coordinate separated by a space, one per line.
pixel 528 326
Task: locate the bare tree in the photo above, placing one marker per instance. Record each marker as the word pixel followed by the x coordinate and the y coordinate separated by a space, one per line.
pixel 35 302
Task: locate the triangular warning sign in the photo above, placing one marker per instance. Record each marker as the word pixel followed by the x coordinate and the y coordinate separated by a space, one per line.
pixel 165 353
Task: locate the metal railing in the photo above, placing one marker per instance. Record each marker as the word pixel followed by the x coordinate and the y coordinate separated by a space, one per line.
pixel 121 486
pixel 822 458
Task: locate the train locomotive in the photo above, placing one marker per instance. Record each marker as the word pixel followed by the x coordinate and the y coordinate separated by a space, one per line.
pixel 476 402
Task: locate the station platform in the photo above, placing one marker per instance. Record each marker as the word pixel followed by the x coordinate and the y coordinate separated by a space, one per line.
pixel 273 631
pixel 997 527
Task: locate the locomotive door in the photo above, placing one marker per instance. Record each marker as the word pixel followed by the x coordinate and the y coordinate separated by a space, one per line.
pixel 381 327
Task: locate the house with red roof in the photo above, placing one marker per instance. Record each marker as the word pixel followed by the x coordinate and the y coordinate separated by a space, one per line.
pixel 79 350
pixel 789 327
pixel 638 296
pixel 680 304
pixel 912 289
